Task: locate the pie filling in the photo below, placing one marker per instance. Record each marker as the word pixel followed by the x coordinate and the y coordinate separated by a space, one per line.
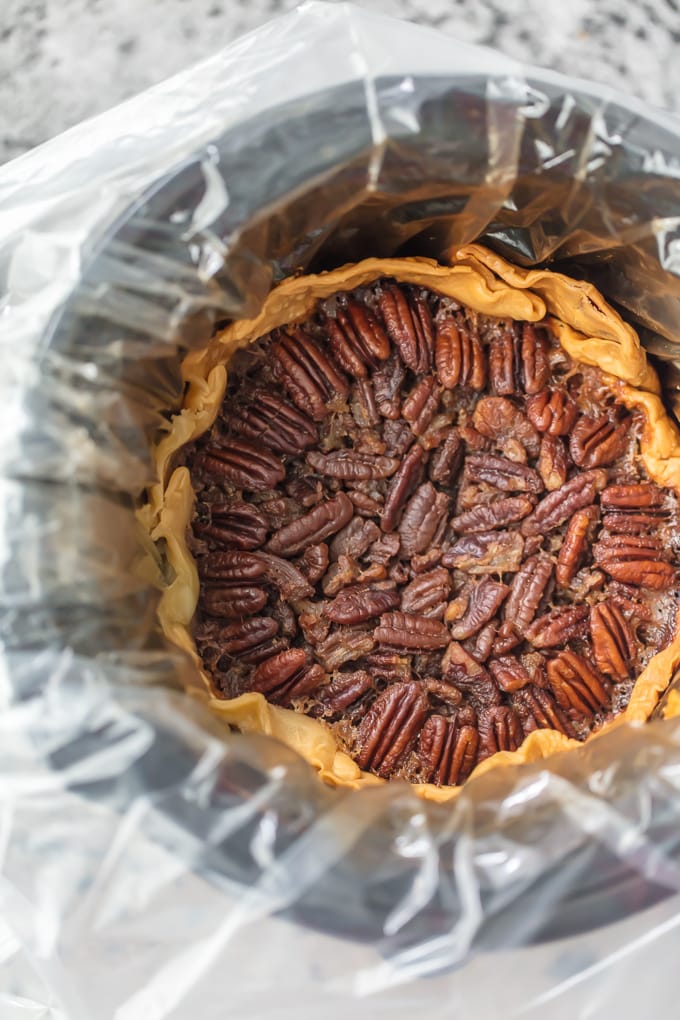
pixel 430 529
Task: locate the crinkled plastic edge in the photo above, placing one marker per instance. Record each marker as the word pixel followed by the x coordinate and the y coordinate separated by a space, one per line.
pixel 589 330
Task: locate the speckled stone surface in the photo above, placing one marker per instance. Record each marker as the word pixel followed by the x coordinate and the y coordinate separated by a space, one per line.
pixel 64 60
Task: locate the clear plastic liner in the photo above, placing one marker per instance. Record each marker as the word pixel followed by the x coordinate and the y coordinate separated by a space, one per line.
pixel 152 865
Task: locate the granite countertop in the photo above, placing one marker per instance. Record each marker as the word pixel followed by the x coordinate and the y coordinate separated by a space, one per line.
pixel 64 60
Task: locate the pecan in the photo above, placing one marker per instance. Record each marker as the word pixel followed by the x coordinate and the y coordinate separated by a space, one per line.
pixel 346 644
pixel 422 563
pixel 366 506
pixel 306 372
pixel 409 325
pixel 447 752
pixel 577 686
pixel 321 522
pixel 278 671
pixel 552 411
pixel 356 338
pixel 234 602
pixel 558 506
pixel 502 473
pixel 363 406
pixel 313 563
pixel 552 462
pixel 630 498
pixel 473 439
pixel 286 618
pixel 595 442
pixel 489 552
pixel 408 630
pixel 426 595
pixel 350 466
pixel 500 729
pixel 630 523
pixel 445 692
pixel 292 584
pixel 388 666
pixel 484 641
pixel 240 639
pixel 241 464
pixel 230 567
pixel 420 406
pixel 446 462
pixel 557 627
pixel 509 673
pixel 461 669
pixel 314 622
pixel 529 587
pixel 613 641
pixel 397 437
pixel 502 362
pixel 575 545
pixel 387 383
pixel 490 516
pixel 389 729
pixel 305 491
pixel 354 539
pixel 537 710
pixel 459 356
pixel 403 483
pixel 634 559
pixel 421 519
pixel 344 690
pixel 498 418
pixel 486 599
pixel 344 571
pixel 274 422
pixel 384 549
pixel 534 360
pixel 361 602
pixel 279 511
pixel 232 524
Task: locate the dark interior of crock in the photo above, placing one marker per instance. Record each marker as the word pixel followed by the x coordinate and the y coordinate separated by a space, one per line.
pixel 324 196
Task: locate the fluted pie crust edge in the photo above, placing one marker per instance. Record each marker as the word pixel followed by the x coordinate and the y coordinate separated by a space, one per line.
pixel 587 328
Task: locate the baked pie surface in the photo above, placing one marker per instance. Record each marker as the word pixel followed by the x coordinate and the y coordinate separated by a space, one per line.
pixel 428 523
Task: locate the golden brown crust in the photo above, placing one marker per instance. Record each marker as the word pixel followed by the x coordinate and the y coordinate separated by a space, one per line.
pixel 587 328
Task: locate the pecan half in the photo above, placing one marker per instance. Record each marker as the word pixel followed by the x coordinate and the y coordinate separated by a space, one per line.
pixel 500 729
pixel 537 710
pixel 459 356
pixel 240 639
pixel 447 460
pixel 460 668
pixel 389 729
pixel 552 411
pixel 274 422
pixel 234 524
pixel 635 560
pixel 409 325
pixel 489 516
pixel 489 552
pixel 402 485
pixel 387 383
pixel 321 522
pixel 234 602
pixel 614 645
pixel 575 545
pixel 631 498
pixel 388 665
pixel 241 464
pixel 534 360
pixel 346 644
pixel 558 506
pixel 363 406
pixel 447 752
pixel 444 691
pixel 502 361
pixel 595 442
pixel 350 466
pixel 356 338
pixel 420 406
pixel 426 595
pixel 344 690
pixel 231 566
pixel 529 587
pixel 313 563
pixel 278 672
pixel 354 539
pixel 292 584
pixel 577 685
pixel 408 630
pixel 509 673
pixel 552 462
pixel 497 418
pixel 557 627
pixel 361 602
pixel 503 474
pixel 485 601
pixel 422 517
pixel 306 372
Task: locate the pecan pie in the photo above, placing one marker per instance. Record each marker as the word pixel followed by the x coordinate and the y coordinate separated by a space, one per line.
pixel 429 518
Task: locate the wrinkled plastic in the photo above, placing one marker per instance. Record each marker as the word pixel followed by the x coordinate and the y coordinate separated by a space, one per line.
pixel 152 866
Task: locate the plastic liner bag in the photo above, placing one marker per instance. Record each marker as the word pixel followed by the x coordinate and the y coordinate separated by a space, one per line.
pixel 152 864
